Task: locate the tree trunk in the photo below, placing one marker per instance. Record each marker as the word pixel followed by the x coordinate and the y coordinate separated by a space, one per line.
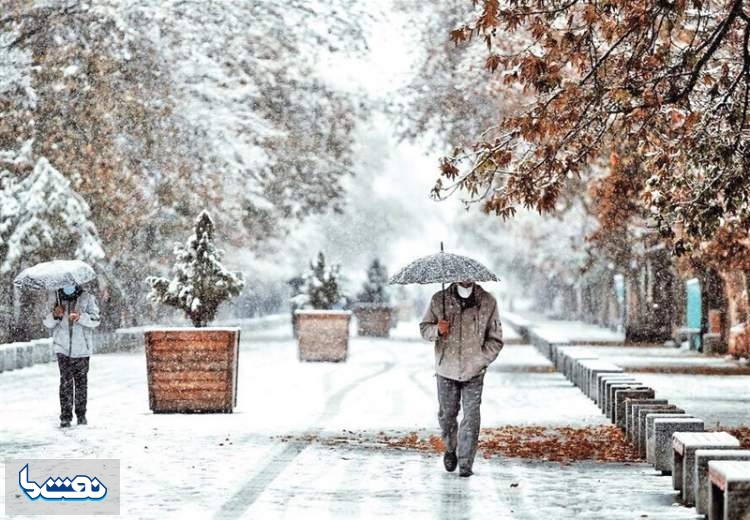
pixel 662 291
pixel 714 298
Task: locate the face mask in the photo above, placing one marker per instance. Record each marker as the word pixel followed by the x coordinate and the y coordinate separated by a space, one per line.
pixel 69 291
pixel 465 292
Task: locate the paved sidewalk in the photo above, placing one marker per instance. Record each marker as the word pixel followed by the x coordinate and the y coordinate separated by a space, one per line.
pixel 235 466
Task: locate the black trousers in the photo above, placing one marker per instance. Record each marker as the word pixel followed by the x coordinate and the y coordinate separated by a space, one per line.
pixel 73 385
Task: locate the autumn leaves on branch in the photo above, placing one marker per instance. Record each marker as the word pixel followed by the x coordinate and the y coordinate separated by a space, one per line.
pixel 664 84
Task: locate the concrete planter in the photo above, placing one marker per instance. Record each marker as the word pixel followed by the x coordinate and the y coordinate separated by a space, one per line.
pixel 192 369
pixel 7 357
pixel 373 320
pixel 43 351
pixel 323 335
pixel 24 354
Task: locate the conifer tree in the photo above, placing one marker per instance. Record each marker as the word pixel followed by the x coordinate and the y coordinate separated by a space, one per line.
pixel 374 289
pixel 201 282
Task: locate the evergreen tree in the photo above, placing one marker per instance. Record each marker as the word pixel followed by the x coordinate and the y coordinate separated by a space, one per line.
pixel 322 285
pixel 200 282
pixel 374 289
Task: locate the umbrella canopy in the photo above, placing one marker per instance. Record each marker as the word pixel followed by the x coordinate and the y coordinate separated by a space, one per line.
pixel 55 275
pixel 443 268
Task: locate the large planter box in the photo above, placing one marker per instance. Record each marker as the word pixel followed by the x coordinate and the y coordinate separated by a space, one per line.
pixel 192 370
pixel 373 320
pixel 323 335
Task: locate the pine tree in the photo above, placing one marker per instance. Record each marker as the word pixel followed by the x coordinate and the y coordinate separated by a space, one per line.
pixel 200 282
pixel 374 289
pixel 322 285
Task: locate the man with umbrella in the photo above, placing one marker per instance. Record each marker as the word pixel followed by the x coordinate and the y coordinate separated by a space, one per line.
pixel 72 315
pixel 464 323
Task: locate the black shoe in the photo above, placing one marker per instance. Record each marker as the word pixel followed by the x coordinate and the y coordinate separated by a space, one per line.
pixel 465 472
pixel 82 421
pixel 450 461
pixel 65 424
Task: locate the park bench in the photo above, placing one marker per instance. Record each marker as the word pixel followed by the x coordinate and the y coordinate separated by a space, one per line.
pixel 621 401
pixel 659 438
pixel 684 446
pixel 729 493
pixel 702 484
pixel 687 334
pixel 631 409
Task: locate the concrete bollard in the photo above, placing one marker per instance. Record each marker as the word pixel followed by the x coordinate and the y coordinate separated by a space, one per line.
pixel 610 404
pixel 656 405
pixel 647 435
pixel 9 352
pixel 664 429
pixel 601 381
pixel 21 355
pixel 622 397
pixel 591 370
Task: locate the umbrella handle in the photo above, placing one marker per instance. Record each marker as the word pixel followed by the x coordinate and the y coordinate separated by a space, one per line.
pixel 443 291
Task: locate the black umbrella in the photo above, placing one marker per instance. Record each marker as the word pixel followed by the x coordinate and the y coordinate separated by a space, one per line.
pixel 443 268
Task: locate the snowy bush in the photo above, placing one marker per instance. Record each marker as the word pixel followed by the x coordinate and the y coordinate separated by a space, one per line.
pixel 200 282
pixel 321 287
pixel 41 216
pixel 374 289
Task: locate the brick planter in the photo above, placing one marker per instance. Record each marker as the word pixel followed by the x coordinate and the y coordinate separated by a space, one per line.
pixel 373 320
pixel 192 370
pixel 323 335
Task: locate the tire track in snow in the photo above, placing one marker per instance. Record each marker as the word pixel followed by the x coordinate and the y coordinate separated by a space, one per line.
pixel 244 497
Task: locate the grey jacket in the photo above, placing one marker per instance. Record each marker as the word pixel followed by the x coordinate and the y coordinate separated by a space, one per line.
pixel 475 337
pixel 77 341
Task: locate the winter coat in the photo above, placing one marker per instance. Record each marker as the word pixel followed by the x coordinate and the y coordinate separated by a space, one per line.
pixel 475 337
pixel 77 341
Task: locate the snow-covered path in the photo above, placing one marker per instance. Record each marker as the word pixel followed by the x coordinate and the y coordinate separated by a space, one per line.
pixel 235 465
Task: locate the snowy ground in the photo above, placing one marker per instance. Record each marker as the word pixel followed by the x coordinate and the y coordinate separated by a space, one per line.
pixel 235 466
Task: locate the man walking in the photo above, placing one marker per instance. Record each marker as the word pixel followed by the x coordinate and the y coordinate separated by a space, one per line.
pixel 73 316
pixel 463 322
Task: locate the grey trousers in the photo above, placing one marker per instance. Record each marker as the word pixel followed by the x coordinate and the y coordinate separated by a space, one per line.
pixel 463 439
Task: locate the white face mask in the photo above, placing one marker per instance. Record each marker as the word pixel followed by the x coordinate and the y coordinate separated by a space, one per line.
pixel 465 292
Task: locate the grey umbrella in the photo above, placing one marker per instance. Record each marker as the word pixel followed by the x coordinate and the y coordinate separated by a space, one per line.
pixel 443 268
pixel 55 275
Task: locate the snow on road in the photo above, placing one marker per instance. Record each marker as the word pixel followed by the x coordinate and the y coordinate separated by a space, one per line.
pixel 235 466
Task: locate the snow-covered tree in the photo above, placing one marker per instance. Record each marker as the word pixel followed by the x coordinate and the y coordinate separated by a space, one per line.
pixel 321 287
pixel 42 217
pixel 168 106
pixel 200 282
pixel 374 289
